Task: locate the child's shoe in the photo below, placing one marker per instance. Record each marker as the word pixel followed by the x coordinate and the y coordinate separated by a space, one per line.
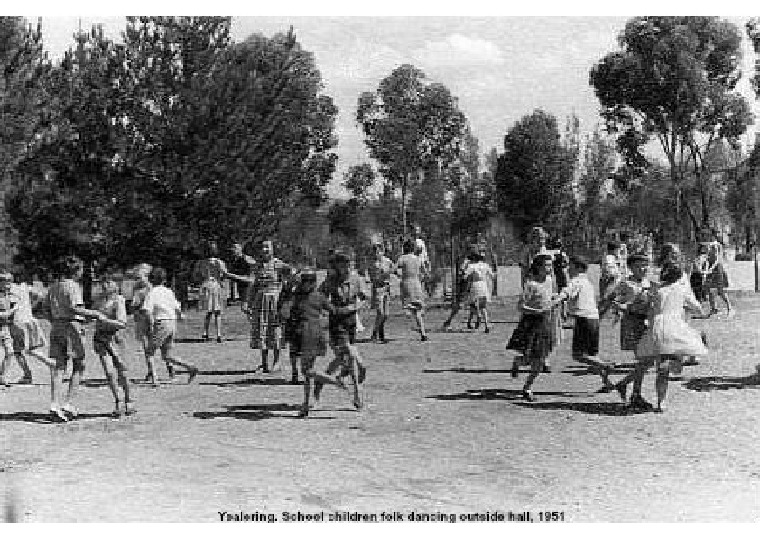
pixel 71 411
pixel 26 379
pixel 57 414
pixel 129 408
pixel 528 396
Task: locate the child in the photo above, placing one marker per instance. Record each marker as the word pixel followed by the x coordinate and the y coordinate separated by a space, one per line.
pixel 716 279
pixel 28 336
pixel 305 332
pixel 460 294
pixel 67 332
pixel 480 278
pixel 582 305
pixel 211 272
pixel 669 338
pixel 380 270
pixel 343 290
pixel 631 297
pixel 534 337
pixel 611 272
pixel 163 310
pixel 410 267
pixel 108 343
pixel 142 322
pixel 697 276
pixel 8 307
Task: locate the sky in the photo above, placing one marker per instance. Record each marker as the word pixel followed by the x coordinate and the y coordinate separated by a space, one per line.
pixel 500 68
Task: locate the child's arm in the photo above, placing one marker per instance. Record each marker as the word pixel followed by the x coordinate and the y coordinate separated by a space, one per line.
pixel 120 322
pixel 5 315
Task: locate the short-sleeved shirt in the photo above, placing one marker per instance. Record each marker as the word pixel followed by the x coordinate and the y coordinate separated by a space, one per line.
pixel 537 295
pixel 161 304
pixel 23 293
pixel 480 276
pixel 114 308
pixel 211 268
pixel 410 266
pixel 269 276
pixel 65 295
pixel 581 299
pixel 341 294
pixel 7 302
pixel 380 272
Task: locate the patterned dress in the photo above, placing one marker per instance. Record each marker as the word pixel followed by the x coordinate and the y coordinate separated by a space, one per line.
pixel 633 323
pixel 263 301
pixel 212 292
pixel 412 294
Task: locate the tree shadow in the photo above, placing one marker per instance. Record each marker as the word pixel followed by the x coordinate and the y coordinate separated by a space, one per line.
pixel 600 409
pixel 258 412
pixel 43 418
pixel 466 370
pixel 702 384
pixel 497 394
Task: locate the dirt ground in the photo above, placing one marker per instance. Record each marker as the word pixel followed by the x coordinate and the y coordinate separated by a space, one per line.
pixel 444 431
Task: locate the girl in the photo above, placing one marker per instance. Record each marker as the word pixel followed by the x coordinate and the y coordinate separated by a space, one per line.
pixel 535 339
pixel 480 278
pixel 669 338
pixel 380 270
pixel 28 336
pixel 459 294
pixel 697 276
pixel 211 271
pixel 409 267
pixel 109 344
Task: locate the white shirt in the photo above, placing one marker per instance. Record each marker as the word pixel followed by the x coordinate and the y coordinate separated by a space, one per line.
pixel 161 304
pixel 419 245
pixel 23 303
pixel 480 276
pixel 581 301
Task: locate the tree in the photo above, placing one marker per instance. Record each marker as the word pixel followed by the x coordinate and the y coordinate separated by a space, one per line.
pixel 534 174
pixel 358 180
pixel 674 80
pixel 412 127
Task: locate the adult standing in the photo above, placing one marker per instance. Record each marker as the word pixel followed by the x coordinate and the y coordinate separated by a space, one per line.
pixel 262 304
pixel 409 266
pixel 211 272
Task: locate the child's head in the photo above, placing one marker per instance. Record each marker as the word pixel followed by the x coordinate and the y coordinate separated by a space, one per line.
pixel 578 265
pixel 109 284
pixel 670 253
pixel 613 247
pixel 71 267
pixel 638 263
pixel 542 265
pixel 142 271
pixel 702 248
pixel 6 279
pixel 408 247
pixel 308 281
pixel 670 273
pixel 341 262
pixel 157 276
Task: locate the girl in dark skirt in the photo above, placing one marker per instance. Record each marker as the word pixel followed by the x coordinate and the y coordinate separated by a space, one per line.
pixel 533 336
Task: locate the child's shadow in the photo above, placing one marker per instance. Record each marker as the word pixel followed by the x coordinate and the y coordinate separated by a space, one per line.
pixel 600 409
pixel 256 412
pixel 44 418
pixel 703 384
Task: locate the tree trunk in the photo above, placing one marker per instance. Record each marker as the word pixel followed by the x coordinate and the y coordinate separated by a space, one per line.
pixel 404 186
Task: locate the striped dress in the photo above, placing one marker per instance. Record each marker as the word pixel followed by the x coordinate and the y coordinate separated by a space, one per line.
pixel 263 300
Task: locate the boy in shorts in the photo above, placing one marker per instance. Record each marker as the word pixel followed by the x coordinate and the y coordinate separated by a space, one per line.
pixel 108 343
pixel 67 333
pixel 344 292
pixel 163 310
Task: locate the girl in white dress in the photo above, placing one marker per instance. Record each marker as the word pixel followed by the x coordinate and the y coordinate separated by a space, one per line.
pixel 669 338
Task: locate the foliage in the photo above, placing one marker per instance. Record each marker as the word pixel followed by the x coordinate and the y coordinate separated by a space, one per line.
pixel 534 174
pixel 674 80
pixel 358 180
pixel 412 127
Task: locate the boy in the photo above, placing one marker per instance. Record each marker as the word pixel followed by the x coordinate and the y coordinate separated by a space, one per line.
pixel 67 319
pixel 344 293
pixel 479 276
pixel 579 294
pixel 380 270
pixel 27 334
pixel 108 343
pixel 305 333
pixel 163 310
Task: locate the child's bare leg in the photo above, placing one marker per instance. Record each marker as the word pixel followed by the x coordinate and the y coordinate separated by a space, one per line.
pixel 206 323
pixel 77 371
pixel 661 383
pixel 168 357
pixel 218 324
pixel 535 369
pixel 108 369
pixel 722 294
pixel 275 358
pixel 354 369
pixel 56 385
pixel 21 359
pixel 293 367
pixel 124 383
pixel 419 319
pixel 484 316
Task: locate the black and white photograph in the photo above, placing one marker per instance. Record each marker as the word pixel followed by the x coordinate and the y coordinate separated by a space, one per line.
pixel 440 267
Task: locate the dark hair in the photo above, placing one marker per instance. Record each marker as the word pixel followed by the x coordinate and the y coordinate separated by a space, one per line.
pixel 538 261
pixel 670 273
pixel 69 266
pixel 157 276
pixel 408 247
pixel 555 243
pixel 579 262
pixel 635 258
pixel 612 246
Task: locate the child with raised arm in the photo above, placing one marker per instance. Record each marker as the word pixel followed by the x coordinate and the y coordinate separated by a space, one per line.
pixel 28 336
pixel 109 343
pixel 163 310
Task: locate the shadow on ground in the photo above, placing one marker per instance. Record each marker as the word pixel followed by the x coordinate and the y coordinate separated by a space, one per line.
pixel 492 394
pixel 253 382
pixel 38 417
pixel 466 370
pixel 600 409
pixel 258 412
pixel 703 384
